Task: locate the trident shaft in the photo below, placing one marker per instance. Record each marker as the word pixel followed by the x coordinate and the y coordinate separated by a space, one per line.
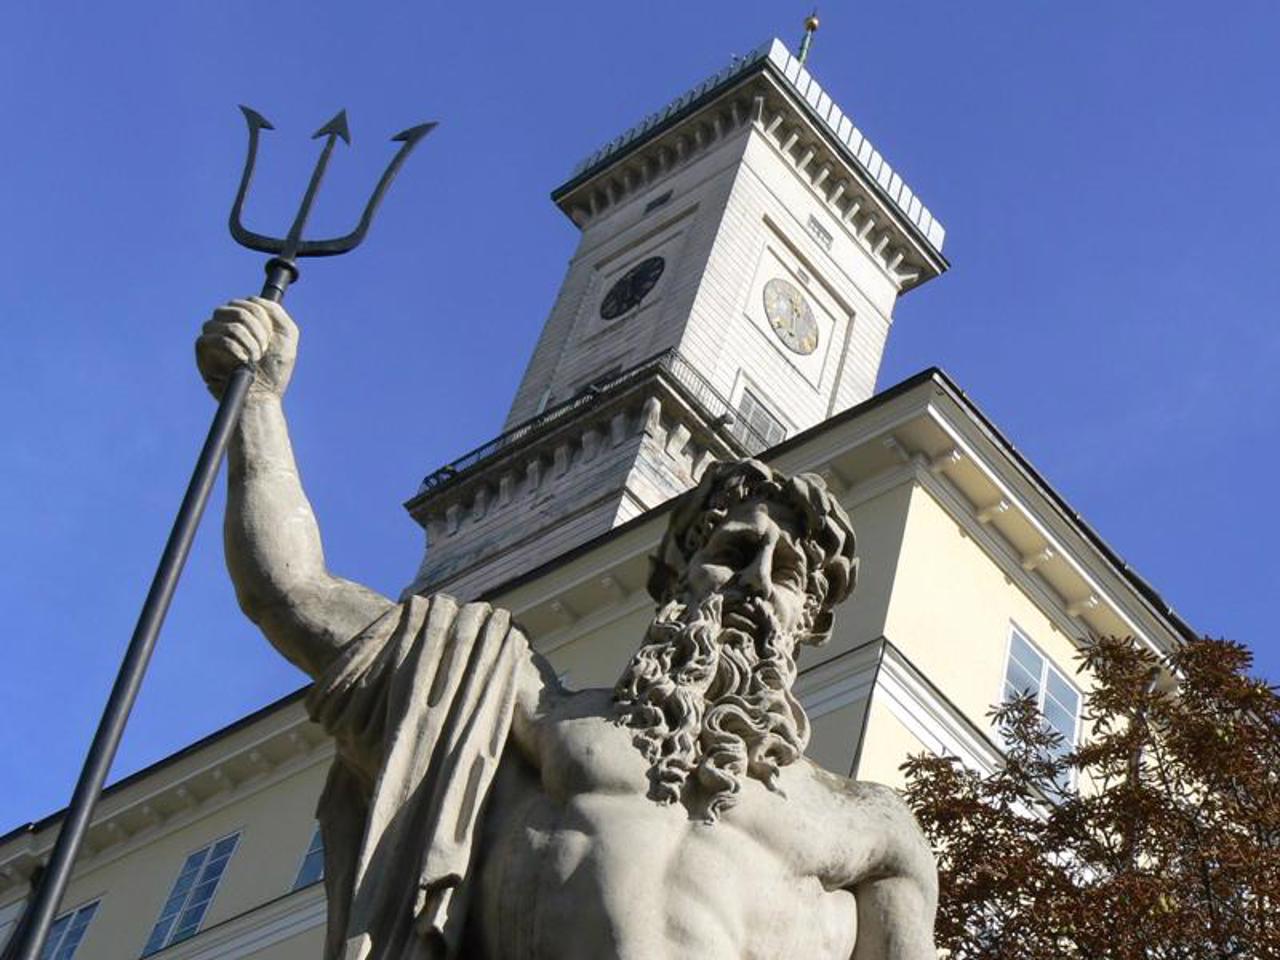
pixel 29 939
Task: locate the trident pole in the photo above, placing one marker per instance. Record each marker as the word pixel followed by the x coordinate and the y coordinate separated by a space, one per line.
pixel 128 681
pixel 33 931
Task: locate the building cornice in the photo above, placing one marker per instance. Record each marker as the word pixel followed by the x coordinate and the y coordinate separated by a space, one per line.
pixel 794 108
pixel 601 416
pixel 274 743
pixel 912 431
pixel 663 406
pixel 840 681
pixel 1096 561
pixel 853 200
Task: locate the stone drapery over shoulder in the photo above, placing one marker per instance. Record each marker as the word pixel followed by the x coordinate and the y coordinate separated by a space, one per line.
pixel 420 704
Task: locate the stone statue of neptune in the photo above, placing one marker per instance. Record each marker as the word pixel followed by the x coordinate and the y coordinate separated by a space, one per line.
pixel 477 809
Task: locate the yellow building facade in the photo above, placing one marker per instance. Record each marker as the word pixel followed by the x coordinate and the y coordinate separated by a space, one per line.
pixel 975 577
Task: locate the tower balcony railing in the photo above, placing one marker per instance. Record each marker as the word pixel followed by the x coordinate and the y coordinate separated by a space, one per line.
pixel 693 387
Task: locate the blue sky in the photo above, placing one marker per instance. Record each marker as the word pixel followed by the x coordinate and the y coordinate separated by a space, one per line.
pixel 1106 171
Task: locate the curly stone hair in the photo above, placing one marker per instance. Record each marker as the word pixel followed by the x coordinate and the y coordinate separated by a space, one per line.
pixel 828 538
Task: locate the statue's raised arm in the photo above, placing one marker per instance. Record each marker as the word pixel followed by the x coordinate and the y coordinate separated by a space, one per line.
pixel 421 696
pixel 273 543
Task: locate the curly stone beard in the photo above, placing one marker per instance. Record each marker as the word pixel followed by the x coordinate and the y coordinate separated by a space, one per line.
pixel 713 702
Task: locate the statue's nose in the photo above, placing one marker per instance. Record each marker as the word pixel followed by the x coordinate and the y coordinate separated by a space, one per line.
pixel 756 578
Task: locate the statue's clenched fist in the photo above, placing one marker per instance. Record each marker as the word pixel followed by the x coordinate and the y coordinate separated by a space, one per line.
pixel 253 331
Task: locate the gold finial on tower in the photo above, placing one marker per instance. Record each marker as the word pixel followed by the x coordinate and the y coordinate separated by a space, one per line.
pixel 810 28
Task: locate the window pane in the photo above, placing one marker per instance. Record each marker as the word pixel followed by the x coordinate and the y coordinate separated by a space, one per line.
pixel 312 868
pixel 56 933
pixel 187 877
pixel 1060 720
pixel 190 921
pixel 187 928
pixel 175 902
pixel 761 425
pixel 67 932
pixel 212 871
pixel 203 893
pixel 158 935
pixel 192 892
pixel 71 941
pixel 193 862
pixel 1062 691
pixel 83 916
pixel 1021 651
pixel 1020 680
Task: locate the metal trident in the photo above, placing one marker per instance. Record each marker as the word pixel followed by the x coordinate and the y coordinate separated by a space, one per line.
pixel 33 930
pixel 293 246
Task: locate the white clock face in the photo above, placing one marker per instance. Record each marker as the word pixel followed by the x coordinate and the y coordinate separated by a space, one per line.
pixel 790 316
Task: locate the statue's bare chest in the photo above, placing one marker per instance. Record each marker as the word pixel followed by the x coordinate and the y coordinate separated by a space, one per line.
pixel 586 751
pixel 574 848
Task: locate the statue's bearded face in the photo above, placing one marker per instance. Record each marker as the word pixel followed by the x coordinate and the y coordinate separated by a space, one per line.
pixel 754 561
pixel 709 693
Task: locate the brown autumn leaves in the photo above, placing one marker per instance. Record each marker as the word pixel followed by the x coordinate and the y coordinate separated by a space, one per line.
pixel 1164 846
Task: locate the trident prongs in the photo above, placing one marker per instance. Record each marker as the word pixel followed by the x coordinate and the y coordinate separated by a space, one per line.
pixel 335 128
pixel 293 246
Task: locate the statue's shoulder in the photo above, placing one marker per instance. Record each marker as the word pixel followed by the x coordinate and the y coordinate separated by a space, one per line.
pixel 861 823
pixel 846 796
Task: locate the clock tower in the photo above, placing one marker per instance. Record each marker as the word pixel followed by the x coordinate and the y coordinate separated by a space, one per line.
pixel 742 250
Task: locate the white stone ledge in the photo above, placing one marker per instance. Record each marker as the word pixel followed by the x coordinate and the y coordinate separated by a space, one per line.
pixel 816 101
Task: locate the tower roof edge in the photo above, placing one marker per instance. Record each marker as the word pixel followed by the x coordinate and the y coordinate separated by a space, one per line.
pixel 776 59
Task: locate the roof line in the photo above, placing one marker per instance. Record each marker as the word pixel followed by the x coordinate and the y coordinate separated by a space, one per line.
pixel 47 821
pixel 1139 583
pixel 943 380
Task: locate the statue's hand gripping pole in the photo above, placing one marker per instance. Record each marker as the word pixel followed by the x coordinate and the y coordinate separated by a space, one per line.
pixel 29 939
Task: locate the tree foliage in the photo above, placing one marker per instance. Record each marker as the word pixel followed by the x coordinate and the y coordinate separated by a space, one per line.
pixel 1158 839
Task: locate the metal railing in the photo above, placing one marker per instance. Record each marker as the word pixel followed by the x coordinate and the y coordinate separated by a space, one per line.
pixel 699 391
pixel 693 386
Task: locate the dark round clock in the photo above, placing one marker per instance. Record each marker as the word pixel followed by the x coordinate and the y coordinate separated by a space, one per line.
pixel 632 287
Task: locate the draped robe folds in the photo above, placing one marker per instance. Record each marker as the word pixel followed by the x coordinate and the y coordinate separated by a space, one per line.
pixel 420 705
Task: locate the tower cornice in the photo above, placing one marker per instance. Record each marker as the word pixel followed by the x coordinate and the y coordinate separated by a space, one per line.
pixel 770 90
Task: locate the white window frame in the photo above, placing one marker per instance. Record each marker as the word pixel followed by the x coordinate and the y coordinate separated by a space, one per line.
pixel 55 946
pixel 302 864
pixel 1042 686
pixel 206 849
pixel 757 397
